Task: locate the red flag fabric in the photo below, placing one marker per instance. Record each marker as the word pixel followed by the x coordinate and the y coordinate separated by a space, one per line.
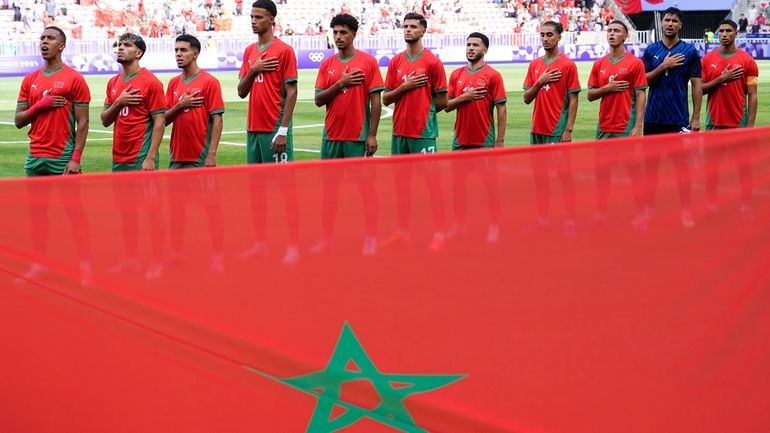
pixel 630 6
pixel 589 287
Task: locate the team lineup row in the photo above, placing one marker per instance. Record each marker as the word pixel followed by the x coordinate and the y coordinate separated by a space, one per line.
pixel 55 98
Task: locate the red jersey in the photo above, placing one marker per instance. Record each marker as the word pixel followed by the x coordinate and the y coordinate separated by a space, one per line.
pixel 617 111
pixel 267 96
pixel 133 126
pixel 727 104
pixel 190 137
pixel 347 115
pixel 474 122
pixel 53 130
pixel 415 113
pixel 549 116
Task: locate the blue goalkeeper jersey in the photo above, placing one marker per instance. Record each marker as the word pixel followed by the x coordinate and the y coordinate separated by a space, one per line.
pixel 667 100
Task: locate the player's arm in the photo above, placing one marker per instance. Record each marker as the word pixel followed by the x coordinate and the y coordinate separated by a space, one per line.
pixel 753 101
pixel 25 114
pixel 729 74
pixel 188 100
pixel 469 95
pixel 216 134
pixel 549 76
pixel 442 99
pixel 128 97
pixel 260 65
pixel 669 62
pixel 81 133
pixel 346 80
pixel 641 104
pixel 502 120
pixel 611 87
pixel 159 125
pixel 697 102
pixel 412 81
pixel 375 103
pixel 280 140
pixel 571 116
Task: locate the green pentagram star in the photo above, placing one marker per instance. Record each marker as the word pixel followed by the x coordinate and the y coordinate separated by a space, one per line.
pixel 392 389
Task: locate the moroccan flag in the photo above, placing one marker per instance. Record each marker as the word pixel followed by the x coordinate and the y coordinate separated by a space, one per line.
pixel 630 6
pixel 587 287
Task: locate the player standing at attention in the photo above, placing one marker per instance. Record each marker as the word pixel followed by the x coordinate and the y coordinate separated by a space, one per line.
pixel 730 78
pixel 477 91
pixel 195 108
pixel 670 64
pixel 135 104
pixel 552 82
pixel 416 84
pixel 54 100
pixel 268 77
pixel 349 85
pixel 617 79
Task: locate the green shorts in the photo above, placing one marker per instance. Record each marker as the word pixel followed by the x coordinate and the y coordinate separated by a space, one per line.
pixel 543 139
pixel 342 149
pixel 184 164
pixel 259 148
pixel 131 166
pixel 407 145
pixel 45 166
pixel 607 135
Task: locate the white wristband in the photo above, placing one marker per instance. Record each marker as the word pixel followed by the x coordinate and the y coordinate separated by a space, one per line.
pixel 282 130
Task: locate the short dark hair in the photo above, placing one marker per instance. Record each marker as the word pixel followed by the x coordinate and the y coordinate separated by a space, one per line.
pixel 59 31
pixel 346 20
pixel 192 40
pixel 481 36
pixel 674 11
pixel 416 16
pixel 267 5
pixel 556 26
pixel 730 23
pixel 134 39
pixel 620 23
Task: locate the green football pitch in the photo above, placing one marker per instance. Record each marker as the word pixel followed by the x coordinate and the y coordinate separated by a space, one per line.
pixel 308 120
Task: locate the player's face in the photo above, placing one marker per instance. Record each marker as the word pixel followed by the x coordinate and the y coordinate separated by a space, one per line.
pixel 616 35
pixel 671 25
pixel 128 52
pixel 50 44
pixel 185 55
pixel 343 37
pixel 727 35
pixel 261 21
pixel 413 30
pixel 549 37
pixel 475 49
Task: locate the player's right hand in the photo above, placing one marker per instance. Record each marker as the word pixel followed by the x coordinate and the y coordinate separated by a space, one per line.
pixel 618 86
pixel 549 76
pixel 191 99
pixel 731 73
pixel 352 78
pixel 129 96
pixel 673 61
pixel 263 64
pixel 413 81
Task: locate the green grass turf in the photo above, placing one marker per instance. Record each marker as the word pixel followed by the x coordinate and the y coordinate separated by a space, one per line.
pixel 308 120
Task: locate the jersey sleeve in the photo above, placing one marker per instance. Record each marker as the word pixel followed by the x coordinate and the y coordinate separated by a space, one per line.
pixel 24 91
pixel 245 65
pixel 573 79
pixel 647 60
pixel 321 81
pixel 170 99
pixel 438 77
pixel 529 79
pixel 391 77
pixel 216 104
pixel 640 78
pixel 452 89
pixel 289 65
pixel 695 64
pixel 108 99
pixel 156 103
pixel 375 77
pixel 593 78
pixel 81 94
pixel 498 89
pixel 752 72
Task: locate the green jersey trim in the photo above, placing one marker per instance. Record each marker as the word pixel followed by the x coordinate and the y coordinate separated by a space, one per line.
pixel 614 60
pixel 377 89
pixel 345 60
pixel 128 78
pixel 415 58
pixel 262 48
pixel 190 80
pixel 50 73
